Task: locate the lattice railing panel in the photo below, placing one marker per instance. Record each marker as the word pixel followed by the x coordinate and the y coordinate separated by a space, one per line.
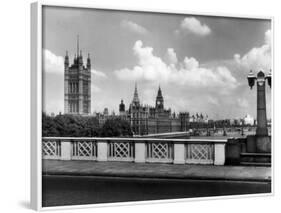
pixel 51 149
pixel 200 153
pixel 159 151
pixel 120 150
pixel 82 150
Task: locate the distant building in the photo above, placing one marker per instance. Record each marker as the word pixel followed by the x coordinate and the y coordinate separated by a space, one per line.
pixel 248 120
pixel 232 122
pixel 184 121
pixel 198 121
pixel 105 112
pixel 122 111
pixel 138 115
pixel 77 85
pixel 146 119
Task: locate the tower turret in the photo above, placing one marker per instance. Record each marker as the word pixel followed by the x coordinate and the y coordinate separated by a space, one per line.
pixel 89 62
pixel 122 108
pixel 136 100
pixel 75 59
pixel 66 60
pixel 77 46
pixel 159 104
pixel 77 87
pixel 80 58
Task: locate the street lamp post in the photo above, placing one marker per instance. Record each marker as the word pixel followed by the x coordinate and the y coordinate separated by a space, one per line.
pixel 261 131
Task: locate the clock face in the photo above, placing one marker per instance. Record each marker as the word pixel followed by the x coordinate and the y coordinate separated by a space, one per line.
pixel 158 102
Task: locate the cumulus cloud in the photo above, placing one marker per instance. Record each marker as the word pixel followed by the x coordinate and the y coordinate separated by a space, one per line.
pixel 53 67
pixel 188 72
pixel 242 102
pixel 258 58
pixel 171 56
pixel 133 27
pixel 55 64
pixel 95 89
pixel 267 37
pixel 212 100
pixel 52 63
pixel 194 26
pixel 99 74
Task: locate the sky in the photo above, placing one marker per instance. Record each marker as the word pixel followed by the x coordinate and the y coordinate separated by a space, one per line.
pixel 200 62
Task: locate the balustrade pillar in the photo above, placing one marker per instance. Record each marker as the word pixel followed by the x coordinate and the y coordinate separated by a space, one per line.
pixel 65 150
pixel 179 151
pixel 139 152
pixel 102 151
pixel 219 158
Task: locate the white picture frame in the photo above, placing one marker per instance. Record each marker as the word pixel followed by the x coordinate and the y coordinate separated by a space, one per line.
pixel 36 102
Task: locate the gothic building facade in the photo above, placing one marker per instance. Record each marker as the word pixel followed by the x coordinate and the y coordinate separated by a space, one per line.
pixel 77 84
pixel 138 115
pixel 146 119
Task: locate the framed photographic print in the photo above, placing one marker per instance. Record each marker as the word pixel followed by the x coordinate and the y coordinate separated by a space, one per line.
pixel 139 105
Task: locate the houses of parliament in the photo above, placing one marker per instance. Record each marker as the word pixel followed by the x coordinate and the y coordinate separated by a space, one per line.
pixel 143 119
pixel 146 119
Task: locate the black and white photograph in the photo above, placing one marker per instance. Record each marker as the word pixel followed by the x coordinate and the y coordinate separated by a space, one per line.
pixel 147 106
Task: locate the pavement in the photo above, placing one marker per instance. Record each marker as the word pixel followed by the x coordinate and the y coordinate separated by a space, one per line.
pixel 156 170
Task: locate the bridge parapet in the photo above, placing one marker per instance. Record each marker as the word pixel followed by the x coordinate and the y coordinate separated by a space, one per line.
pixel 138 150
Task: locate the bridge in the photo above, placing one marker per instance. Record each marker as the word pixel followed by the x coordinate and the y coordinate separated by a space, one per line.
pixel 135 167
pixel 138 150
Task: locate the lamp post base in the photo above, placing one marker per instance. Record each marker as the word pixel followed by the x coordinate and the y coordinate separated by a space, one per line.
pixel 257 152
pixel 259 144
pixel 263 144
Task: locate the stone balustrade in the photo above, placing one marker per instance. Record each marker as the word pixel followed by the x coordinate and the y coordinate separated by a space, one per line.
pixel 138 150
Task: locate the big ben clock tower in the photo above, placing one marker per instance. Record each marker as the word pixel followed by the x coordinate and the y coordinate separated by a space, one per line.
pixel 159 105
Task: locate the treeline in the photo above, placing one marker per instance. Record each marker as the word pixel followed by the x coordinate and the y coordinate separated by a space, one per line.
pixel 80 126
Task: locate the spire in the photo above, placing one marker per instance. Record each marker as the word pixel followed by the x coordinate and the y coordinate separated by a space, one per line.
pixel 66 59
pixel 136 96
pixel 77 45
pixel 88 61
pixel 66 55
pixel 159 92
pixel 80 58
pixel 74 60
pixel 159 104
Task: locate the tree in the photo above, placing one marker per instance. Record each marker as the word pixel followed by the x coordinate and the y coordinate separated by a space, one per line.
pixel 115 128
pixel 49 127
pixel 80 126
pixel 91 128
pixel 69 126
